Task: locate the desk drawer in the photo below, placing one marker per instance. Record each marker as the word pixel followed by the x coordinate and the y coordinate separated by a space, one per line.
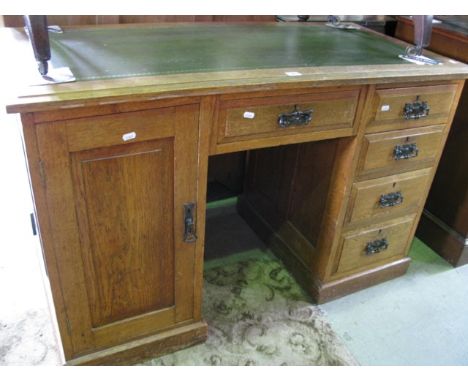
pixel 384 197
pixel 401 108
pixel 263 117
pixel 118 129
pixel 399 151
pixel 375 245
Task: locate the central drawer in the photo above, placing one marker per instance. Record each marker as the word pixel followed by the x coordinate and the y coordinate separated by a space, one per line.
pixel 264 117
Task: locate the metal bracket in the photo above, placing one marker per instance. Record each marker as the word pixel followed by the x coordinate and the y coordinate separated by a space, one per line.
pixel 419 59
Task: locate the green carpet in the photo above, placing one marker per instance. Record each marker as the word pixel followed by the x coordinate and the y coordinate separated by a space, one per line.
pixel 256 312
pixel 258 315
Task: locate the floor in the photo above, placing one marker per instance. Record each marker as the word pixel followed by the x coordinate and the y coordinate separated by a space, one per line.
pixel 417 319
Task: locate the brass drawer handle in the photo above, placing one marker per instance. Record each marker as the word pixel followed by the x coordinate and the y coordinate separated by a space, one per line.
pixel 406 151
pixel 391 199
pixel 376 246
pixel 296 117
pixel 415 110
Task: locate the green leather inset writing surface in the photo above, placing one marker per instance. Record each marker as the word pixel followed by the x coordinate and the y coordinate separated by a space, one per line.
pixel 128 52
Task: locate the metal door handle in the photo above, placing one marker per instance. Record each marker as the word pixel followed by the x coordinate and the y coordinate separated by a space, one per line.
pixel 189 223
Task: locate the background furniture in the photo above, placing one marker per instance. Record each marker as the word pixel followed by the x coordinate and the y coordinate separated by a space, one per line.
pixel 444 223
pixel 14 21
pixel 340 156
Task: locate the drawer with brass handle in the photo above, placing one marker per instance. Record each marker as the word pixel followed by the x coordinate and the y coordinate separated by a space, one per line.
pixel 415 110
pixel 373 245
pixel 264 117
pixel 388 196
pixel 398 151
pixel 401 108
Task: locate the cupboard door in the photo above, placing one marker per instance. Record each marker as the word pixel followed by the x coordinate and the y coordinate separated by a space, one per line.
pixel 116 188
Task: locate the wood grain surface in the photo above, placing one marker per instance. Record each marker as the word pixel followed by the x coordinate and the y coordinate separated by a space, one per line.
pixel 87 93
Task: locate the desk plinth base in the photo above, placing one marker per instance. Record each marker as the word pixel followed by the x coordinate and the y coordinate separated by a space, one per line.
pixel 146 348
pixel 320 291
pixel 358 281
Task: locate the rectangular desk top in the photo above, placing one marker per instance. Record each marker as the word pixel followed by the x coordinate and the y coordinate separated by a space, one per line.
pixel 111 53
pixel 138 61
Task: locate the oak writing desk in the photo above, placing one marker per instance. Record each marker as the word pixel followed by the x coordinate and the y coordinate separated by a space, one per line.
pixel 343 139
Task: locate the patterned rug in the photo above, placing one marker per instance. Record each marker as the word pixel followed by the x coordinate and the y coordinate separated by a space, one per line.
pixel 258 315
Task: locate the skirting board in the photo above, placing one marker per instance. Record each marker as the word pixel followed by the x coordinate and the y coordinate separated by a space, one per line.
pixel 148 347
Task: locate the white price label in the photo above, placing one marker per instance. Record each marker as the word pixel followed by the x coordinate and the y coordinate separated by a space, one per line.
pixel 385 108
pixel 249 114
pixel 293 74
pixel 129 136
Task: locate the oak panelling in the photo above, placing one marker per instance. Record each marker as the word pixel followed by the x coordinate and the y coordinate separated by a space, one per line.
pixel 365 196
pixel 62 20
pixel 388 106
pixel 116 219
pixel 353 247
pixel 377 153
pixel 288 187
pixel 329 111
pixel 126 223
pixel 269 175
pixel 243 18
pixel 132 19
pixel 310 187
pixel 228 170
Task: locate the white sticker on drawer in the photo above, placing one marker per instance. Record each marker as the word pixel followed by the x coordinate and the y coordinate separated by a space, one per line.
pixel 385 108
pixel 129 136
pixel 293 74
pixel 249 115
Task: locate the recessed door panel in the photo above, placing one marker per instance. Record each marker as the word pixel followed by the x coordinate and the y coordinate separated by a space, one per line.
pixel 127 195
